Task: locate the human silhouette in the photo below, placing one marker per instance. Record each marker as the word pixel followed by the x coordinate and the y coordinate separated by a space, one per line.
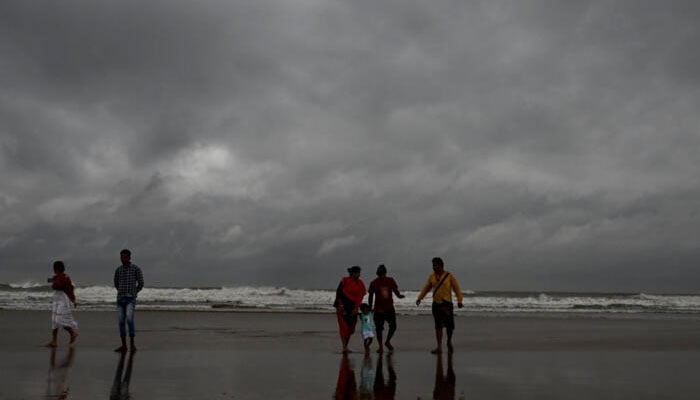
pixel 346 388
pixel 366 378
pixel 385 390
pixel 444 383
pixel 57 385
pixel 122 379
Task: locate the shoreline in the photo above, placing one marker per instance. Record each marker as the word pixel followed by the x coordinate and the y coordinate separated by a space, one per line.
pixel 287 355
pixel 566 315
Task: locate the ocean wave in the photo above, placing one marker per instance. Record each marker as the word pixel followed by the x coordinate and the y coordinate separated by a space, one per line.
pixel 26 285
pixel 32 296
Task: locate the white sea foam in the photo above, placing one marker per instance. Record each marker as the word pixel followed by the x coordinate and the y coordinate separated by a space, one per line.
pixel 33 296
pixel 26 285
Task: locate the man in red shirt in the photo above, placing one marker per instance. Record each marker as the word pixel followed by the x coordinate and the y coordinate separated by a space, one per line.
pixel 383 287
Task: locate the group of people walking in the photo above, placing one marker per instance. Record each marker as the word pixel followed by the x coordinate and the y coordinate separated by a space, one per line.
pixel 128 280
pixel 379 309
pixel 380 306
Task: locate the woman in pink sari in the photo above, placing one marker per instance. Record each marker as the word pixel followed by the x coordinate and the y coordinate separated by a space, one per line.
pixel 348 298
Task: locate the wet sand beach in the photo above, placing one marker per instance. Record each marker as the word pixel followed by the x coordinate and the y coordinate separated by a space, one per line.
pixel 251 355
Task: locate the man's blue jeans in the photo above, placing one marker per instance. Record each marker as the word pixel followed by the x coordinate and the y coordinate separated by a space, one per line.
pixel 125 307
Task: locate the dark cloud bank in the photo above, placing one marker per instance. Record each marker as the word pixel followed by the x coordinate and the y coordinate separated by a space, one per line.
pixel 534 145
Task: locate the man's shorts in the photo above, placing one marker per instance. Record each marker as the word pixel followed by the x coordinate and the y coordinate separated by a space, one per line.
pixel 380 317
pixel 443 314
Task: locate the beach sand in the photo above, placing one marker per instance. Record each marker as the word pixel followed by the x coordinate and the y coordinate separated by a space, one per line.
pixel 259 355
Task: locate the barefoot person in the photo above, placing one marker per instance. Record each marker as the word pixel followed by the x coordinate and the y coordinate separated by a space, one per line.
pixel 128 280
pixel 63 300
pixel 383 287
pixel 442 284
pixel 348 298
pixel 366 326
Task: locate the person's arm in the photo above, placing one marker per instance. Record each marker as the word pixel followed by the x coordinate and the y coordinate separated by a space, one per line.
pixel 339 295
pixel 116 278
pixel 457 290
pixel 395 289
pixel 139 280
pixel 370 300
pixel 423 292
pixel 70 290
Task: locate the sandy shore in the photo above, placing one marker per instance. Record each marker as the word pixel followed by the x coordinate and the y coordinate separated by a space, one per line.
pixel 230 355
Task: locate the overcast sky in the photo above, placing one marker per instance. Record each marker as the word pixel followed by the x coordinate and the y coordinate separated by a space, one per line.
pixel 534 145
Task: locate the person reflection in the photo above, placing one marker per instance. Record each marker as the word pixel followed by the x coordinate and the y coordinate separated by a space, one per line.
pixel 57 387
pixel 444 383
pixel 120 386
pixel 385 390
pixel 346 388
pixel 366 378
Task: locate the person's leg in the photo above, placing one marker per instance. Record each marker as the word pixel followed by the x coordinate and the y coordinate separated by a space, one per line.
pixel 130 306
pixel 379 326
pixel 345 341
pixel 438 339
pixel 73 334
pixel 341 331
pixel 54 338
pixel 121 316
pixel 437 317
pixel 368 342
pixel 391 321
pixel 449 327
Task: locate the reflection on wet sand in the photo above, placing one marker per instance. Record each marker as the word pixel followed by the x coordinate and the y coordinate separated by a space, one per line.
pixel 366 378
pixel 445 383
pixel 372 382
pixel 57 387
pixel 346 388
pixel 385 390
pixel 120 386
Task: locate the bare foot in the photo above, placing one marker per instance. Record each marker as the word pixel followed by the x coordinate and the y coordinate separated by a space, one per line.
pixel 436 351
pixel 379 350
pixel 450 349
pixel 133 349
pixel 52 344
pixel 120 349
pixel 389 346
pixel 73 336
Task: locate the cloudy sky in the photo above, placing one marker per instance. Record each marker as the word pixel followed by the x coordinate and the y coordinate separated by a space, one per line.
pixel 534 145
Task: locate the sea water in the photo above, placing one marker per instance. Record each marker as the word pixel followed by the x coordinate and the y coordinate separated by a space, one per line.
pixel 36 296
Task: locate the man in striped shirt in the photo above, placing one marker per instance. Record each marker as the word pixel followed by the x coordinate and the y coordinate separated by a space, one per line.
pixel 443 284
pixel 128 280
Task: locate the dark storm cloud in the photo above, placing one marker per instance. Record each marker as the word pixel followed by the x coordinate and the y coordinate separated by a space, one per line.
pixel 534 145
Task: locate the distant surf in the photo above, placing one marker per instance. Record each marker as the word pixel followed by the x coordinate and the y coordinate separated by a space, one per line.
pixel 36 296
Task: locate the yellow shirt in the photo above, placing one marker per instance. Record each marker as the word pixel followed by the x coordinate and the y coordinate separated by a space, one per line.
pixel 444 292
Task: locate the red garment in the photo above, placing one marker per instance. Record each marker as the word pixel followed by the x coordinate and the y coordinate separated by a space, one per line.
pixel 352 293
pixel 346 324
pixel 346 388
pixel 382 288
pixel 62 282
pixel 354 289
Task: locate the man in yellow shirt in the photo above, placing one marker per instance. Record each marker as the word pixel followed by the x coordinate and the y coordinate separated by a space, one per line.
pixel 443 284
